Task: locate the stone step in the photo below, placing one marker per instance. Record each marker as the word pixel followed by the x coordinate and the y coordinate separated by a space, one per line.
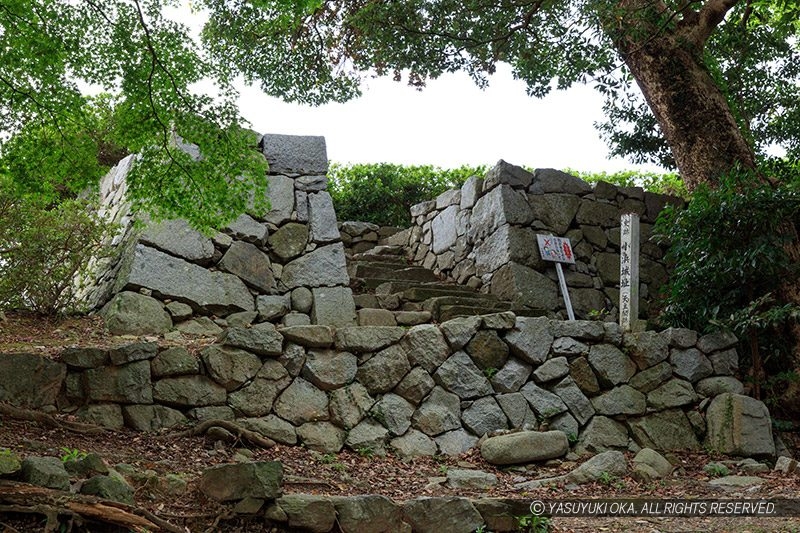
pixel 475 300
pixel 446 312
pixel 420 294
pixel 394 287
pixel 379 259
pixel 382 251
pixel 390 272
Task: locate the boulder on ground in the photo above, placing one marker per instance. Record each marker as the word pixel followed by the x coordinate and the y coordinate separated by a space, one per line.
pixel 524 447
pixel 131 313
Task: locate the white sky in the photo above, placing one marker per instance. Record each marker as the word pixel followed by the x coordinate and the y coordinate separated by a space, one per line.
pixel 449 123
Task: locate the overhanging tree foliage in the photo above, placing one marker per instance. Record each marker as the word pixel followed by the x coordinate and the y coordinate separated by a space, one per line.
pixel 51 49
pixel 715 74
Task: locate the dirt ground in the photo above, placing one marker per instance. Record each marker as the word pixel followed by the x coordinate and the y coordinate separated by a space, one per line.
pixel 349 473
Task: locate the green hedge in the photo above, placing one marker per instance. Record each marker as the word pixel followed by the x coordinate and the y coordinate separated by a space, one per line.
pixel 383 193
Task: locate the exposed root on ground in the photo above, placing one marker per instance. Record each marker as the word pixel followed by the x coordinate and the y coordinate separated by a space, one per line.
pixel 48 420
pixel 76 509
pixel 238 431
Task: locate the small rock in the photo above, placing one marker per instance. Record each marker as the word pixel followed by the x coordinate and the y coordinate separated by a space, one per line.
pixel 785 465
pixel 470 479
pixel 108 488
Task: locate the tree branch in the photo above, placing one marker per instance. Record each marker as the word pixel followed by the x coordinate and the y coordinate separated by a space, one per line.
pixel 708 18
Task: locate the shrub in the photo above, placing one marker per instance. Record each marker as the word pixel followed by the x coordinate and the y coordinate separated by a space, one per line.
pixel 730 254
pixel 383 193
pixel 45 251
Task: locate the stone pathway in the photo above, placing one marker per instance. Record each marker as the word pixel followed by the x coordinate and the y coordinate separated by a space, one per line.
pixel 389 291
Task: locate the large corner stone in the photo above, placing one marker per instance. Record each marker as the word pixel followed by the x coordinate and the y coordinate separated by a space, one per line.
pixel 295 154
pixel 170 277
pixel 739 425
pixel 521 284
pixel 501 205
pixel 178 238
pixel 324 267
pixel 507 243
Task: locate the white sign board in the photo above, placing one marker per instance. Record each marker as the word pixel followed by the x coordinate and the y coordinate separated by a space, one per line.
pixel 629 271
pixel 557 249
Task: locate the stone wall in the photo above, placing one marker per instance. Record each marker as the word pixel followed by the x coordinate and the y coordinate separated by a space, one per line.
pixel 423 390
pixel 286 265
pixel 360 237
pixel 484 235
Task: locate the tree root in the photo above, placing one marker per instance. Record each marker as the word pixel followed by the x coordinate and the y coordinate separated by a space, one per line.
pixel 49 420
pixel 24 498
pixel 241 433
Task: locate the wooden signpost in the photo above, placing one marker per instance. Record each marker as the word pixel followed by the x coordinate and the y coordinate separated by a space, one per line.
pixel 629 271
pixel 558 250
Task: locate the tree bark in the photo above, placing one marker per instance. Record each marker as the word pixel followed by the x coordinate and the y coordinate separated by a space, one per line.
pixel 663 51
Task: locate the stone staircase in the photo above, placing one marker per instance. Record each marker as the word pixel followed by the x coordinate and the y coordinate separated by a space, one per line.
pixel 390 291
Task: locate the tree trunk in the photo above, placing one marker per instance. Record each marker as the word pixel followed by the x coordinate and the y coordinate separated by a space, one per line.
pixel 665 59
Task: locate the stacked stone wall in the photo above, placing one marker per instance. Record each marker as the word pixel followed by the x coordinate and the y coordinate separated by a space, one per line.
pixel 484 235
pixel 285 266
pixel 422 390
pixel 360 237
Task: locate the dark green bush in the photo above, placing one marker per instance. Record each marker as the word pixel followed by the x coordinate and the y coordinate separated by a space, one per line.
pixel 45 251
pixel 730 254
pixel 383 193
